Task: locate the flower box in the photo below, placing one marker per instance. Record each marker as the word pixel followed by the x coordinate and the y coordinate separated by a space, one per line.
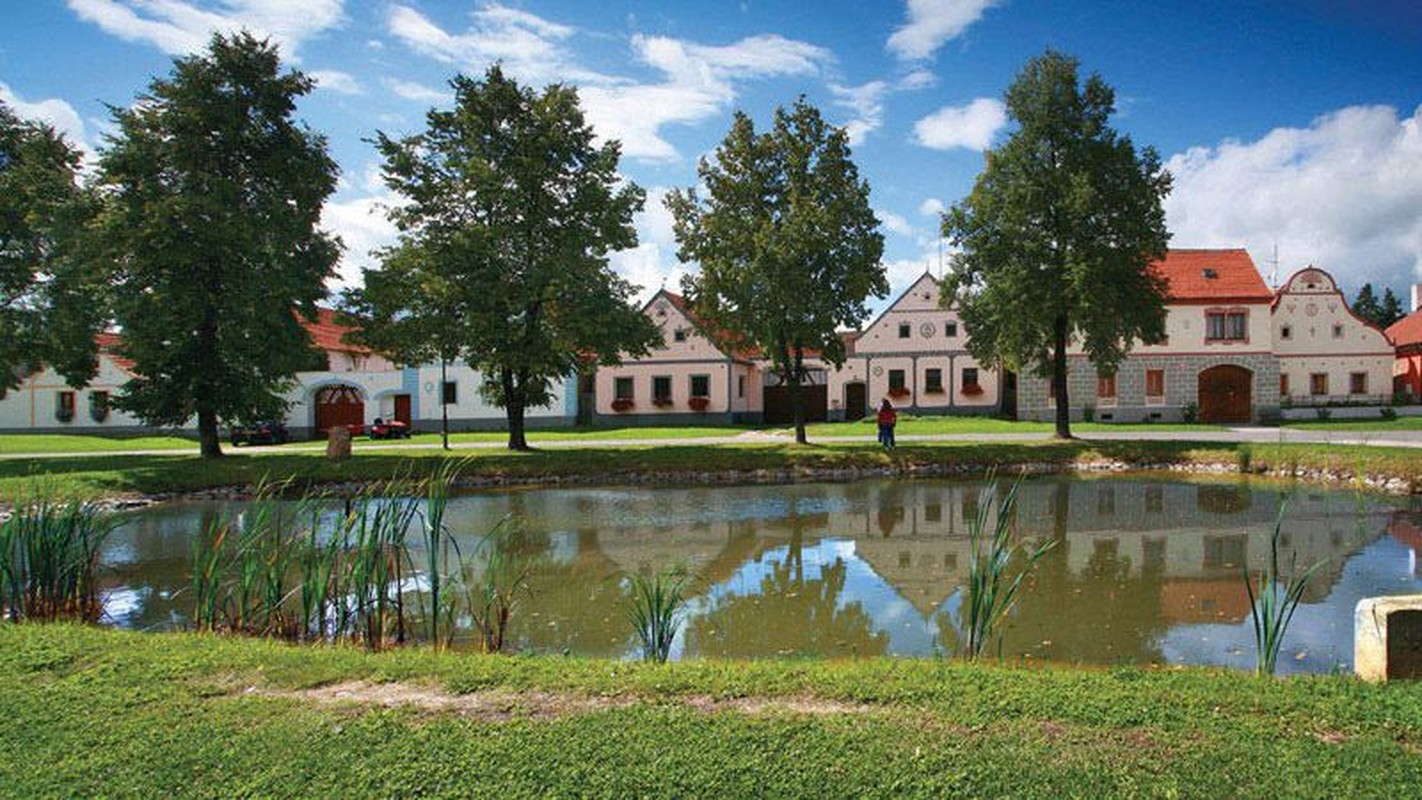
pixel 662 402
pixel 699 403
pixel 934 390
pixel 622 404
pixel 899 392
pixel 973 389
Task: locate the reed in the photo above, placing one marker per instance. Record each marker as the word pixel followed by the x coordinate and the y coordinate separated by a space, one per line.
pixel 492 597
pixel 656 610
pixel 1273 601
pixel 49 560
pixel 441 611
pixel 996 569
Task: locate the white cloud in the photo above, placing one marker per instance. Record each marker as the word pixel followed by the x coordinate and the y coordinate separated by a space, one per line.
pixel 55 112
pixel 181 27
pixel 417 92
pixel 932 207
pixel 652 264
pixel 894 223
pixel 933 22
pixel 917 79
pixel 867 104
pixel 528 46
pixel 1342 194
pixel 361 223
pixel 972 126
pixel 336 81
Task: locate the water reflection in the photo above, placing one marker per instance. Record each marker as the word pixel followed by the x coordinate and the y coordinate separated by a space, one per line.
pixel 1143 571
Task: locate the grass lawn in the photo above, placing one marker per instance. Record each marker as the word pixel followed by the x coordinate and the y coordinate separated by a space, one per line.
pixel 1399 424
pixel 84 443
pixel 103 476
pixel 940 426
pixel 116 714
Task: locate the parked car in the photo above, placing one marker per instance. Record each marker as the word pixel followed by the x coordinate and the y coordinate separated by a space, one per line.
pixel 389 429
pixel 260 433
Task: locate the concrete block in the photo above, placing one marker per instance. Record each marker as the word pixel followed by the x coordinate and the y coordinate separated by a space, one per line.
pixel 1387 638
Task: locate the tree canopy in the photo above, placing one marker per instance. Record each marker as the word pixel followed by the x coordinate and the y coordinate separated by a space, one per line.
pixel 1059 233
pixel 51 302
pixel 787 244
pixel 213 197
pixel 509 211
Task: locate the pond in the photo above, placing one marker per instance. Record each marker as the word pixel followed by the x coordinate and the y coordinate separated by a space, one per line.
pixel 1145 571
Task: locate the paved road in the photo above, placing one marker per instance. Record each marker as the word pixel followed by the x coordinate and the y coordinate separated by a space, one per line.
pixel 1240 434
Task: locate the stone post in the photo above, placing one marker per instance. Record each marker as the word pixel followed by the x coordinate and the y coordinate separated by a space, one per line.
pixel 1387 638
pixel 338 443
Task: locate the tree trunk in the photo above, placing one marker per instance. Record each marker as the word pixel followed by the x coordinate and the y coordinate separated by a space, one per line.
pixel 208 439
pixel 1059 377
pixel 797 397
pixel 443 406
pixel 514 410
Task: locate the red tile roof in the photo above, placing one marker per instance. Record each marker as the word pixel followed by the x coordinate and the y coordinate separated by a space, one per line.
pixel 1220 275
pixel 327 333
pixel 1407 330
pixel 107 341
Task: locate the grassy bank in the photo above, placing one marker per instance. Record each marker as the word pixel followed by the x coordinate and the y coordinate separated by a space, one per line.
pixel 95 712
pixel 117 475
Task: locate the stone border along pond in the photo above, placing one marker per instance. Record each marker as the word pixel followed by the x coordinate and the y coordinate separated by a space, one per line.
pixel 1337 478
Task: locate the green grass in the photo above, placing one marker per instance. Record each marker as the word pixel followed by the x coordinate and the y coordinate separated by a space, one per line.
pixel 84 443
pixel 115 714
pixel 105 476
pixel 1379 424
pixel 947 426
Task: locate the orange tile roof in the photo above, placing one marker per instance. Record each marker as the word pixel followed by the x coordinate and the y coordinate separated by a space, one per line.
pixel 1194 275
pixel 327 334
pixel 107 341
pixel 1407 330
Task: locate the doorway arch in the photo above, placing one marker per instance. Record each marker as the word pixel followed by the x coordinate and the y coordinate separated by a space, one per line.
pixel 1226 394
pixel 338 404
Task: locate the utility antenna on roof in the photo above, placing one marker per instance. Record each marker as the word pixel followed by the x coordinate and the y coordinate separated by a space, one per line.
pixel 1274 267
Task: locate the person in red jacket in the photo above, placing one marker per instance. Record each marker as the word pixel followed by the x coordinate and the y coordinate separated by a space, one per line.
pixel 887 419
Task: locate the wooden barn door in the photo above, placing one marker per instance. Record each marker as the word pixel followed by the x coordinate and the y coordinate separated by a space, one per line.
pixel 1225 394
pixel 338 405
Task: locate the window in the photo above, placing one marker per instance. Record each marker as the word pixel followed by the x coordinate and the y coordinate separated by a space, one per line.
pixel 1357 383
pixel 970 378
pixel 1106 500
pixel 64 406
pixel 700 385
pixel 1226 326
pixel 679 335
pixel 933 512
pixel 1283 384
pixel 903 330
pixel 933 381
pixel 740 386
pixel 661 390
pixel 622 389
pixel 1154 498
pixel 950 329
pixel 1106 387
pixel 1338 331
pixel 1286 332
pixel 896 381
pixel 1225 551
pixel 99 406
pixel 451 392
pixel 1318 383
pixel 1155 385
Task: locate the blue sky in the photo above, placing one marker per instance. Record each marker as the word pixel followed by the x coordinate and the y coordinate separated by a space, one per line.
pixel 1288 124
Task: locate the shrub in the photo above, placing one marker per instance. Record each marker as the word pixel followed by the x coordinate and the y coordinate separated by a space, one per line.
pixel 1388 413
pixel 1322 413
pixel 1190 412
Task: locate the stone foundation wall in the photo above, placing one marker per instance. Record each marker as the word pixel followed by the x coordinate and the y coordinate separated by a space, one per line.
pixel 1182 387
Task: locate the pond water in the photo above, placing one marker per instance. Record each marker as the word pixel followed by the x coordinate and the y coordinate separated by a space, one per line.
pixel 1144 571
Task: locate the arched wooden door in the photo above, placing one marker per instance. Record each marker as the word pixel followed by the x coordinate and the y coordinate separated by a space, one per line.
pixel 338 405
pixel 856 401
pixel 1225 394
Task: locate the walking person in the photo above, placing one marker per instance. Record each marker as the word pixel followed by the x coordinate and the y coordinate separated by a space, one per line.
pixel 888 418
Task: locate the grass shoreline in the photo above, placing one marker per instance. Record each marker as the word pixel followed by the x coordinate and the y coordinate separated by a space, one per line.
pixel 122 478
pixel 114 713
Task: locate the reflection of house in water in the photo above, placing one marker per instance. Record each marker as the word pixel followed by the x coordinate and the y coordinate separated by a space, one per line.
pixel 1406 527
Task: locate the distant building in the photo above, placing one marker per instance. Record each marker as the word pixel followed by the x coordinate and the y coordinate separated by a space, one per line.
pixel 1327 354
pixel 1406 336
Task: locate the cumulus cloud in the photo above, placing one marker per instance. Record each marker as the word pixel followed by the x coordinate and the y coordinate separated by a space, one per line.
pixel 894 223
pixel 336 81
pixel 181 27
pixel 932 207
pixel 417 92
pixel 54 112
pixel 973 125
pixel 652 264
pixel 1342 194
pixel 528 46
pixel 931 23
pixel 866 102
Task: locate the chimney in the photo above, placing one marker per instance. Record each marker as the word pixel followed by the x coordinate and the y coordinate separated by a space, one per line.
pixel 1417 297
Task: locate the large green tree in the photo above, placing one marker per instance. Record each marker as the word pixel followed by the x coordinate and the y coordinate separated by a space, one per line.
pixel 788 247
pixel 214 194
pixel 1059 233
pixel 1366 305
pixel 510 209
pixel 1390 309
pixel 51 301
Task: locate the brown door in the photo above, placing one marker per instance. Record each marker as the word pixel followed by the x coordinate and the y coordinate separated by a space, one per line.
pixel 856 399
pixel 402 408
pixel 1224 394
pixel 338 405
pixel 780 406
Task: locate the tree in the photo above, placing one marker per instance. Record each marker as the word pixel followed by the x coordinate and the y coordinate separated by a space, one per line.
pixel 502 260
pixel 1059 233
pixel 51 302
pixel 213 195
pixel 1366 306
pixel 787 244
pixel 1390 310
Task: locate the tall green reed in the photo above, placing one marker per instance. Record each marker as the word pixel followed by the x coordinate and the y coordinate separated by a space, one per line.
pixel 49 560
pixel 996 569
pixel 656 610
pixel 491 597
pixel 1273 602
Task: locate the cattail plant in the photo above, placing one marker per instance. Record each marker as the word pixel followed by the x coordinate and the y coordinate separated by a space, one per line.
pixel 1273 601
pixel 656 610
pixel 992 579
pixel 49 560
pixel 492 598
